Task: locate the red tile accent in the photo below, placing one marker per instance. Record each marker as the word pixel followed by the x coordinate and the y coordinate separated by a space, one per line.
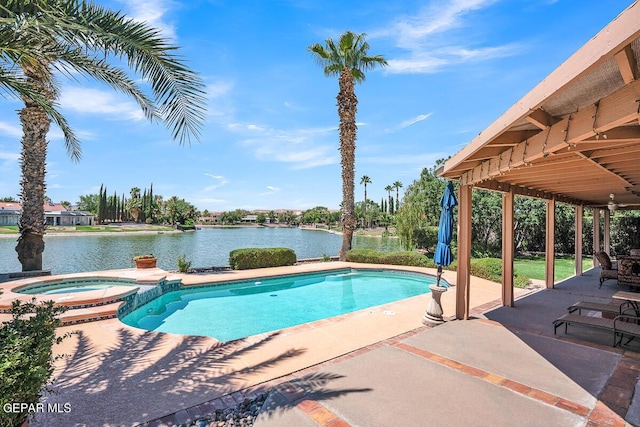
pixel 338 423
pixel 322 416
pixel 517 387
pixel 572 407
pixel 543 396
pixel 307 405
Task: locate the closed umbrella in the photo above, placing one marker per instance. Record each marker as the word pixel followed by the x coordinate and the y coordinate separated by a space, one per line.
pixel 443 255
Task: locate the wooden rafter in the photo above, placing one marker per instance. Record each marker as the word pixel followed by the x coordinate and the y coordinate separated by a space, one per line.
pixel 604 168
pixel 627 64
pixel 619 108
pixel 541 119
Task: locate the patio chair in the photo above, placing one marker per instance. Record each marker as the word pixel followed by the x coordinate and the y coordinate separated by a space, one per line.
pixel 609 270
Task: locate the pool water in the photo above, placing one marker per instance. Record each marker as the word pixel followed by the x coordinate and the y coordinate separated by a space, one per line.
pixel 228 312
pixel 72 289
pixel 70 286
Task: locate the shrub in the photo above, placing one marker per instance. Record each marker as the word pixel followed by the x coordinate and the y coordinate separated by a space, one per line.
pixel 491 269
pixel 396 258
pixel 243 259
pixel 26 360
pixel 183 264
pixel 485 268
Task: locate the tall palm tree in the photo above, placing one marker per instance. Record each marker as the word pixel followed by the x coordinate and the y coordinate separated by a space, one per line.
pixel 347 59
pixel 365 180
pixel 48 38
pixel 388 189
pixel 397 185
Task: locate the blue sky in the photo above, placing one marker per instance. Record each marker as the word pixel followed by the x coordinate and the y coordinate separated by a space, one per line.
pixel 270 140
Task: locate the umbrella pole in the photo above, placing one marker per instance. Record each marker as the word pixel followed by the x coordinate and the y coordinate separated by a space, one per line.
pixel 433 315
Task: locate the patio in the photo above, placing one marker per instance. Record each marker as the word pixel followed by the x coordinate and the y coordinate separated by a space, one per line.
pixel 504 367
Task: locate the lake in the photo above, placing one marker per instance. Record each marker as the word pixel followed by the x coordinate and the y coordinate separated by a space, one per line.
pixel 204 248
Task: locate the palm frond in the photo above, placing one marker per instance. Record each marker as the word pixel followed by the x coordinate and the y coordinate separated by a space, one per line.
pixel 350 52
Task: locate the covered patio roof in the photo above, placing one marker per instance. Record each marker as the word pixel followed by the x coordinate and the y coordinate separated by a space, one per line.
pixel 575 137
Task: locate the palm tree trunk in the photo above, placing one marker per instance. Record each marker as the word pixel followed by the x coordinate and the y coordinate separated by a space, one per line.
pixel 365 205
pixel 35 126
pixel 347 108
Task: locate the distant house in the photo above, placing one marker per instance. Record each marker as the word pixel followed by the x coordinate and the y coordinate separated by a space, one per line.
pixel 213 218
pixel 250 219
pixel 9 213
pixel 53 215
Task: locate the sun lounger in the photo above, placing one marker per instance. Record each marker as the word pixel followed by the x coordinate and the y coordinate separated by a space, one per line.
pixel 613 307
pixel 623 325
pixel 585 321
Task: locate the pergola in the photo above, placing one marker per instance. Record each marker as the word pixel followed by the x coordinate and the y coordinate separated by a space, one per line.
pixel 574 138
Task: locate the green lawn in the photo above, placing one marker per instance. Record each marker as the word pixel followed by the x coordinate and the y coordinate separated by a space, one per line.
pixel 534 267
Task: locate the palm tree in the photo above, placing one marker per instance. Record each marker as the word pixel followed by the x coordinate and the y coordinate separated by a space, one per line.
pixel 40 37
pixel 397 185
pixel 365 180
pixel 348 60
pixel 388 189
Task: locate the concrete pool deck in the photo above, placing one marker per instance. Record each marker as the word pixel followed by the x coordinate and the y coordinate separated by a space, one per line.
pixel 117 375
pixel 376 367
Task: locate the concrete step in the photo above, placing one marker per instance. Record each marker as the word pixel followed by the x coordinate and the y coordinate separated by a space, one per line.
pixel 90 314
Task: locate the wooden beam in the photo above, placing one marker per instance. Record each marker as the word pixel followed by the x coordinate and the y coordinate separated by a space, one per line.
pixel 610 112
pixel 578 239
pixel 627 64
pixel 550 253
pixel 508 248
pixel 620 134
pixel 463 275
pixel 541 119
pixel 522 191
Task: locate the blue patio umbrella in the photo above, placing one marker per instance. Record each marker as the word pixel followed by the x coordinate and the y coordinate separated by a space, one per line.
pixel 443 255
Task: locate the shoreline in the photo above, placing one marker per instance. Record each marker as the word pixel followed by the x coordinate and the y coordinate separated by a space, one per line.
pixel 130 231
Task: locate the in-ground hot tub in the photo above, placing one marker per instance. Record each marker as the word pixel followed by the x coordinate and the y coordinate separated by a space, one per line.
pixel 65 286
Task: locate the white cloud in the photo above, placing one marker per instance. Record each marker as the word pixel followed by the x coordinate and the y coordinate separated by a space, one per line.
pixel 272 190
pixel 220 181
pixel 422 160
pixel 153 13
pixel 300 148
pixel 415 120
pixel 426 38
pixel 9 156
pixel 10 130
pixel 219 88
pixel 95 101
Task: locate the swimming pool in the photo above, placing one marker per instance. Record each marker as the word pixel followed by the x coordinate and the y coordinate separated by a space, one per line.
pixel 231 311
pixel 72 286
